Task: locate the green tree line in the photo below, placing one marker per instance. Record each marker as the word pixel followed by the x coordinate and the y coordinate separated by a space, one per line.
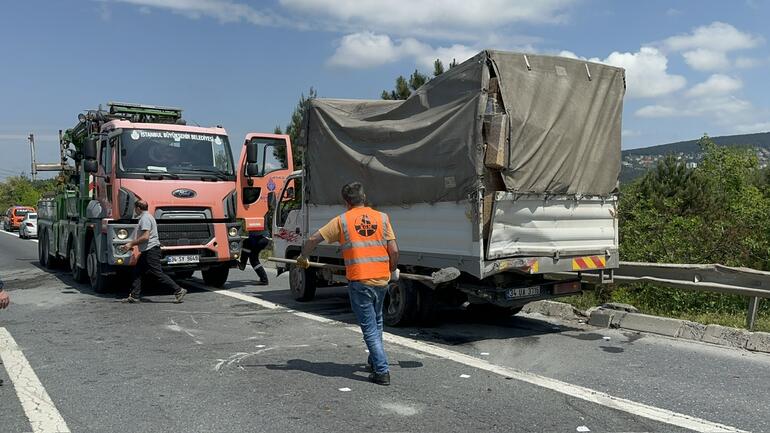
pixel 22 191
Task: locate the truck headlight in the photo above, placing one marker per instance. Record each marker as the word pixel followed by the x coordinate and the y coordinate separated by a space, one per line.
pixel 233 232
pixel 121 234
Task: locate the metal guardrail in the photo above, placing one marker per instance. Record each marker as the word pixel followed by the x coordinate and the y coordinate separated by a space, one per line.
pixel 711 278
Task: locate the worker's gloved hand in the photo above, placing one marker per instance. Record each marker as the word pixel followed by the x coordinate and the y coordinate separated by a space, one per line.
pixel 303 262
pixel 395 275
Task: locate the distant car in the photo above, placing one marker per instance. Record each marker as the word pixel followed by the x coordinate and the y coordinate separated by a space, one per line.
pixel 14 216
pixel 28 227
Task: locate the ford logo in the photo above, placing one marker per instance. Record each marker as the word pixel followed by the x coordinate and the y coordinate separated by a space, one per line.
pixel 184 193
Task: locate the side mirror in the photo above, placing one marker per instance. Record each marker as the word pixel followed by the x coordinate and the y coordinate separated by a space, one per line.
pixel 252 169
pixel 90 166
pixel 90 149
pixel 252 152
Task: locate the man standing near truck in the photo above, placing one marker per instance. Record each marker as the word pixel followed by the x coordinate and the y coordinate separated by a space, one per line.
pixel 148 264
pixel 371 258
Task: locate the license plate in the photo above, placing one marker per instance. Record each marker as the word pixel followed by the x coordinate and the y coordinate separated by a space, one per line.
pixel 181 260
pixel 522 292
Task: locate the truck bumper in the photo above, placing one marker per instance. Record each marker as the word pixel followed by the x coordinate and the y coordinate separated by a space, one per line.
pixel 216 249
pixel 578 263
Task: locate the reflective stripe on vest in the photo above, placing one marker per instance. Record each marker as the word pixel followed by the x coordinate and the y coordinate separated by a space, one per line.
pixel 364 247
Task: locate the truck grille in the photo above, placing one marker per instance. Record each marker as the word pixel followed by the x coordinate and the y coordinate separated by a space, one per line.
pixel 174 235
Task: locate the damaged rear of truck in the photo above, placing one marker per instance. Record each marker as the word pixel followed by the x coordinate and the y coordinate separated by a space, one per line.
pixel 505 167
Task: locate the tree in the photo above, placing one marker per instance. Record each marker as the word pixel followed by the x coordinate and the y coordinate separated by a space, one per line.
pixel 20 190
pixel 438 68
pixel 401 91
pixel 417 79
pixel 277 130
pixel 294 128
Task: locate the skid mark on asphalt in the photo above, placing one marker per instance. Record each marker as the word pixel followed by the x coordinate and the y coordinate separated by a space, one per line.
pixel 575 391
pixel 40 410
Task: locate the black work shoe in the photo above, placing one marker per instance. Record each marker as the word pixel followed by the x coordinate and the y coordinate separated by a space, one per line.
pixel 179 295
pixel 130 300
pixel 380 378
pixel 242 265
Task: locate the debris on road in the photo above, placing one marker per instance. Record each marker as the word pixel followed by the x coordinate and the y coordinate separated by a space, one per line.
pixel 345 389
pixel 465 376
pixel 583 428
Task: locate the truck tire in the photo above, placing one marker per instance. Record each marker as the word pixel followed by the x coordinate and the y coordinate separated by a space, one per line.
pixel 302 283
pixel 428 310
pixel 400 306
pixel 42 250
pixel 99 282
pixel 216 276
pixel 77 273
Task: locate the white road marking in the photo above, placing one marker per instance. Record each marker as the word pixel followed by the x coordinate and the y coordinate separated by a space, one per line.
pixel 16 235
pixel 576 391
pixel 43 415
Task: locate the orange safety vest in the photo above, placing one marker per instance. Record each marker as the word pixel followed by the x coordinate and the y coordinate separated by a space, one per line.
pixel 364 247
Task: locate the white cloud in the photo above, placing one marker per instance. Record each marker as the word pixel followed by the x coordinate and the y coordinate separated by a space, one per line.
pixel 747 62
pixel 657 111
pixel 225 11
pixel 367 49
pixel 706 47
pixel 724 110
pixel 445 17
pixel 753 127
pixel 703 59
pixel 715 85
pixel 716 36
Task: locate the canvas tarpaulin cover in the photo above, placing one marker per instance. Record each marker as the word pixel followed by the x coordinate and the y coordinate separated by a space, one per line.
pixel 562 135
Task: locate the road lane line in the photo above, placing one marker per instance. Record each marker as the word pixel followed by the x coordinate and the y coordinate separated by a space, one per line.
pixel 576 391
pixel 16 235
pixel 40 410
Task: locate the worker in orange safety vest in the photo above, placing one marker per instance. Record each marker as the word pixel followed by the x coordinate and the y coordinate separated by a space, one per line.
pixel 371 257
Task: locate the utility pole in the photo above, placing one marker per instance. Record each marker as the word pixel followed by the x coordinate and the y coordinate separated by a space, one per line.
pixel 31 139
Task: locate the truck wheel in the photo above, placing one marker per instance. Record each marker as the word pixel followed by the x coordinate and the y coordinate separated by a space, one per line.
pixel 401 304
pixel 77 273
pixel 427 301
pixel 42 250
pixel 183 275
pixel 302 283
pixel 216 276
pixel 99 282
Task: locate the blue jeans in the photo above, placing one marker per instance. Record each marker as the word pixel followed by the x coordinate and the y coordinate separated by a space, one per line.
pixel 366 302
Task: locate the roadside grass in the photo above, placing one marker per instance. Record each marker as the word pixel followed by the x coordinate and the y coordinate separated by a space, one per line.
pixel 705 308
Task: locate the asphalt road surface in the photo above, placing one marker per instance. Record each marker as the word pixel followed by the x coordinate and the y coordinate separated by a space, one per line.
pixel 250 359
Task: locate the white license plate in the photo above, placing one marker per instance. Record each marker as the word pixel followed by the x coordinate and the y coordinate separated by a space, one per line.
pixel 522 292
pixel 181 260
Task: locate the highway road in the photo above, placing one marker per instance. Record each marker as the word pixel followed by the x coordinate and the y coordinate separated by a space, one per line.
pixel 250 359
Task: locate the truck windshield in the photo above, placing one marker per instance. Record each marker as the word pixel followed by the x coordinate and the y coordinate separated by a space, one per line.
pixel 154 151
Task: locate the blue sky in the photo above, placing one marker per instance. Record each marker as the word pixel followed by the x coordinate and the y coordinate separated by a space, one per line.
pixel 692 66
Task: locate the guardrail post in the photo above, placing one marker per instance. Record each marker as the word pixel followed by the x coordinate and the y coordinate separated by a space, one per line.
pixel 751 317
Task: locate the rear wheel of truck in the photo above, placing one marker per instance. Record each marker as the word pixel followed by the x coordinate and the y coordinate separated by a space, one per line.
pixel 401 303
pixel 216 276
pixel 99 282
pixel 77 273
pixel 302 283
pixel 42 250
